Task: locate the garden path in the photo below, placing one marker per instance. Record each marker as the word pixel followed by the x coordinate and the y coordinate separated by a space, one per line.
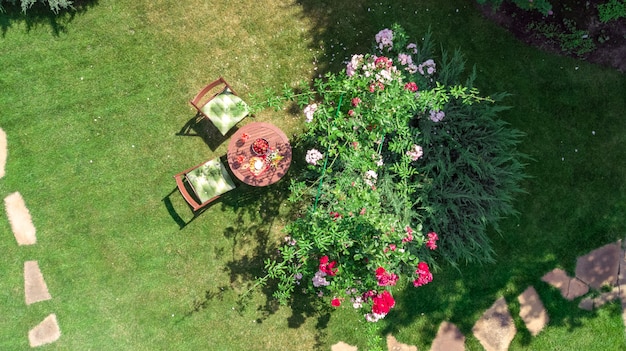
pixel 601 268
pixel 35 288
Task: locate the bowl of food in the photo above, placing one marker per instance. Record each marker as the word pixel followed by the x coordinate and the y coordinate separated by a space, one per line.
pixel 260 147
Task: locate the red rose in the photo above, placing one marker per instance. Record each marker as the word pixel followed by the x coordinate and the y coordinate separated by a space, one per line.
pixel 330 268
pixel 423 279
pixel 326 267
pixel 423 266
pixel 368 294
pixel 383 303
pixel 432 240
pixel 385 278
pixel 380 271
pixel 424 275
pixel 335 302
pixel 335 215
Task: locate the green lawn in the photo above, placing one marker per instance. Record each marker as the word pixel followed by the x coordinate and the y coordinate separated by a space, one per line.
pixel 92 105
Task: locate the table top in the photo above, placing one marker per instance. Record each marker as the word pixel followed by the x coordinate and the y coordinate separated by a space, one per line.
pixel 259 170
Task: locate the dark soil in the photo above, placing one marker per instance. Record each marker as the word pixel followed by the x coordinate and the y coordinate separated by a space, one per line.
pixel 574 29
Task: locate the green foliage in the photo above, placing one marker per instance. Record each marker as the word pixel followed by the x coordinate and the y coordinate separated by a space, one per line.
pixel 542 6
pixel 612 10
pixel 473 175
pixel 571 39
pixel 54 5
pixel 395 151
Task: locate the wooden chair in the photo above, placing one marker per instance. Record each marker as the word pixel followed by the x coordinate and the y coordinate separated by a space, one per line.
pixel 219 103
pixel 207 182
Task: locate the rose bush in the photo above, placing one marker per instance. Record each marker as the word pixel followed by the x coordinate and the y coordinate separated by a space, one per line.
pixel 376 138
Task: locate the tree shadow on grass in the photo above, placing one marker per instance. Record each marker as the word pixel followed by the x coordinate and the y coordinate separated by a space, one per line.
pixel 40 14
pixel 462 296
pixel 256 235
pixel 550 233
pixel 343 28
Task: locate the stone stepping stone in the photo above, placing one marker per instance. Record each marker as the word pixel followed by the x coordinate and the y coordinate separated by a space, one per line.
pixel 621 283
pixel 606 297
pixel 342 346
pixel 576 289
pixel 570 288
pixel 3 152
pixel 45 332
pixel 618 291
pixel 449 338
pixel 394 345
pixel 532 311
pixel 600 267
pixel 586 304
pixel 621 277
pixel 35 289
pixel 589 303
pixel 495 329
pixel 19 217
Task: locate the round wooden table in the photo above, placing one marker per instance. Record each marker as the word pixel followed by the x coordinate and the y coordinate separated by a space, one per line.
pixel 258 170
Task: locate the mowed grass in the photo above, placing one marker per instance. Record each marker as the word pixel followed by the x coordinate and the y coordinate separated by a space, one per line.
pixel 92 115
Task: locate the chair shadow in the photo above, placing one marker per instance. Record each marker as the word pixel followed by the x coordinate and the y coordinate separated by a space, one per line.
pixel 169 206
pixel 199 126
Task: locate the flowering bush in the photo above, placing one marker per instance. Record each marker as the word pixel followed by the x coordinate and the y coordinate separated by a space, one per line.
pixel 379 125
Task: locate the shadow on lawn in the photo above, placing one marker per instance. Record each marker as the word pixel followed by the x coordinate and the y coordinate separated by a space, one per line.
pixel 342 28
pixel 461 296
pixel 202 128
pixel 257 231
pixel 40 14
pixel 256 234
pixel 256 212
pixel 467 294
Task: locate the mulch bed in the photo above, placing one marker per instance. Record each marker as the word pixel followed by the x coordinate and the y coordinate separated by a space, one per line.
pixel 574 29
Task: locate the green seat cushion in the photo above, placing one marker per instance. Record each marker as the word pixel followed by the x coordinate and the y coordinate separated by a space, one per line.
pixel 225 110
pixel 210 180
